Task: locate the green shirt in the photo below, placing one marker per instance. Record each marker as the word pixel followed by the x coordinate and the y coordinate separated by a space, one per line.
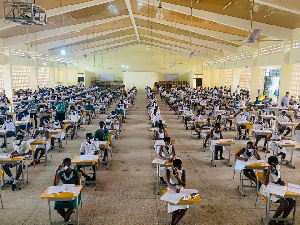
pixel 119 111
pixel 60 106
pixel 99 136
pixel 256 102
pixel 89 107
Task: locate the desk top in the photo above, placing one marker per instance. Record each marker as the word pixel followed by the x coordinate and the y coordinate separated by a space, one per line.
pixel 66 195
pixel 3 131
pixel 197 199
pixel 103 143
pixel 1 174
pixel 55 131
pixel 76 160
pixel 16 159
pixel 257 165
pixel 39 142
pixel 70 121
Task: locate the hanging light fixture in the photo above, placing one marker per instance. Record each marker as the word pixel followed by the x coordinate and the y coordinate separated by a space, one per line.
pixel 159 13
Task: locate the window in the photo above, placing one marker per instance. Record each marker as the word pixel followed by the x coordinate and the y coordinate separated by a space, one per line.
pixel 245 78
pixel 44 77
pixel 55 76
pixel 228 77
pixel 295 82
pixel 20 77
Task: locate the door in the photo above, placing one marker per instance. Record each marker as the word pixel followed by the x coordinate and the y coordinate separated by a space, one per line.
pixel 198 82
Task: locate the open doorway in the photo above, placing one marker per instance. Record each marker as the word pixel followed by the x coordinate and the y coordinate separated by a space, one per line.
pixel 272 82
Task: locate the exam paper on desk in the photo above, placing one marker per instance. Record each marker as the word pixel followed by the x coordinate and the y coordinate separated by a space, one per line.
pixel 5 156
pixel 159 161
pixel 276 189
pixel 240 165
pixel 173 197
pixel 61 188
pixel 214 142
pixel 87 157
pixel 294 188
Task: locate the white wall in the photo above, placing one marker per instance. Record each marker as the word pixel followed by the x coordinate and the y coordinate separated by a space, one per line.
pixel 140 79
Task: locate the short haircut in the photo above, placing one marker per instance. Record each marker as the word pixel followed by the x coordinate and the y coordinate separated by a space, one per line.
pixel 66 161
pixel 90 135
pixel 273 160
pixel 177 162
pixel 167 139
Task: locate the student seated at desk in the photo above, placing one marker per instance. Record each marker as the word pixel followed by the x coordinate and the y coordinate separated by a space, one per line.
pixel 205 126
pixel 228 112
pixel 273 176
pixel 41 134
pixel 67 175
pixel 244 155
pixel 10 126
pixel 108 124
pixel 216 134
pixel 73 117
pixel 175 178
pixel 166 152
pixel 284 119
pixel 241 117
pixel 257 101
pixel 277 136
pixel 120 111
pixel 160 133
pixel 259 125
pixel 21 148
pixel 56 125
pixel 25 117
pixel 89 147
pixel 102 134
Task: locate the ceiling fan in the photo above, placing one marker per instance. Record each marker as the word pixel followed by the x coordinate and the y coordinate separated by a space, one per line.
pixel 254 34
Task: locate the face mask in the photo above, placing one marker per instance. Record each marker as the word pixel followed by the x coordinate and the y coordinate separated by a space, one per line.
pixel 65 168
pixel 56 123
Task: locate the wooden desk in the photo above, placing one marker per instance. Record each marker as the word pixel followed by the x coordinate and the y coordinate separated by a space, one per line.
pixel 105 145
pixel 41 142
pixel 190 201
pixel 222 143
pixel 15 161
pixel 84 163
pixel 287 144
pixel 158 166
pixel 63 196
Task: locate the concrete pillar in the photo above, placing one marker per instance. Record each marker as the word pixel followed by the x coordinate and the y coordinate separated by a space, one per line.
pixel 6 68
pixel 212 78
pixel 222 77
pixel 235 79
pixel 285 80
pixel 33 78
pixel 52 77
pixel 255 74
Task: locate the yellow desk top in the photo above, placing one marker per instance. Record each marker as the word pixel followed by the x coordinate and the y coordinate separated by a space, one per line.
pixel 3 131
pixel 256 165
pixel 106 144
pixel 166 163
pixel 39 142
pixel 70 121
pixel 61 195
pixel 199 121
pixel 76 160
pixel 55 131
pixel 225 143
pixel 288 123
pixel 1 174
pixel 16 159
pixel 22 122
pixel 286 144
pixel 197 199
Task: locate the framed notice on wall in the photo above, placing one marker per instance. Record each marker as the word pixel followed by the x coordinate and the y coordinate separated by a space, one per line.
pixel 107 77
pixel 171 77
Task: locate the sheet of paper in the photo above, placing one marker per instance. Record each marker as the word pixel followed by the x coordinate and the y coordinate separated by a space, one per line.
pixel 276 189
pixel 5 156
pixel 75 190
pixel 54 189
pixel 172 196
pixel 159 161
pixel 87 157
pixel 68 187
pixel 240 165
pixel 294 188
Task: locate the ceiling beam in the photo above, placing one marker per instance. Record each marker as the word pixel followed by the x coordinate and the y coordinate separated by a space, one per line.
pixel 22 39
pixel 101 48
pixel 127 2
pixel 194 40
pixel 58 43
pixel 243 24
pixel 210 33
pixel 292 6
pixel 58 11
pixel 180 45
pixel 80 47
pixel 186 51
pixel 223 47
pixel 117 48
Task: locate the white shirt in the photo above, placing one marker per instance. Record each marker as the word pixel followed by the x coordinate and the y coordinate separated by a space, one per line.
pixel 23 148
pixel 9 126
pixel 89 148
pixel 75 117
